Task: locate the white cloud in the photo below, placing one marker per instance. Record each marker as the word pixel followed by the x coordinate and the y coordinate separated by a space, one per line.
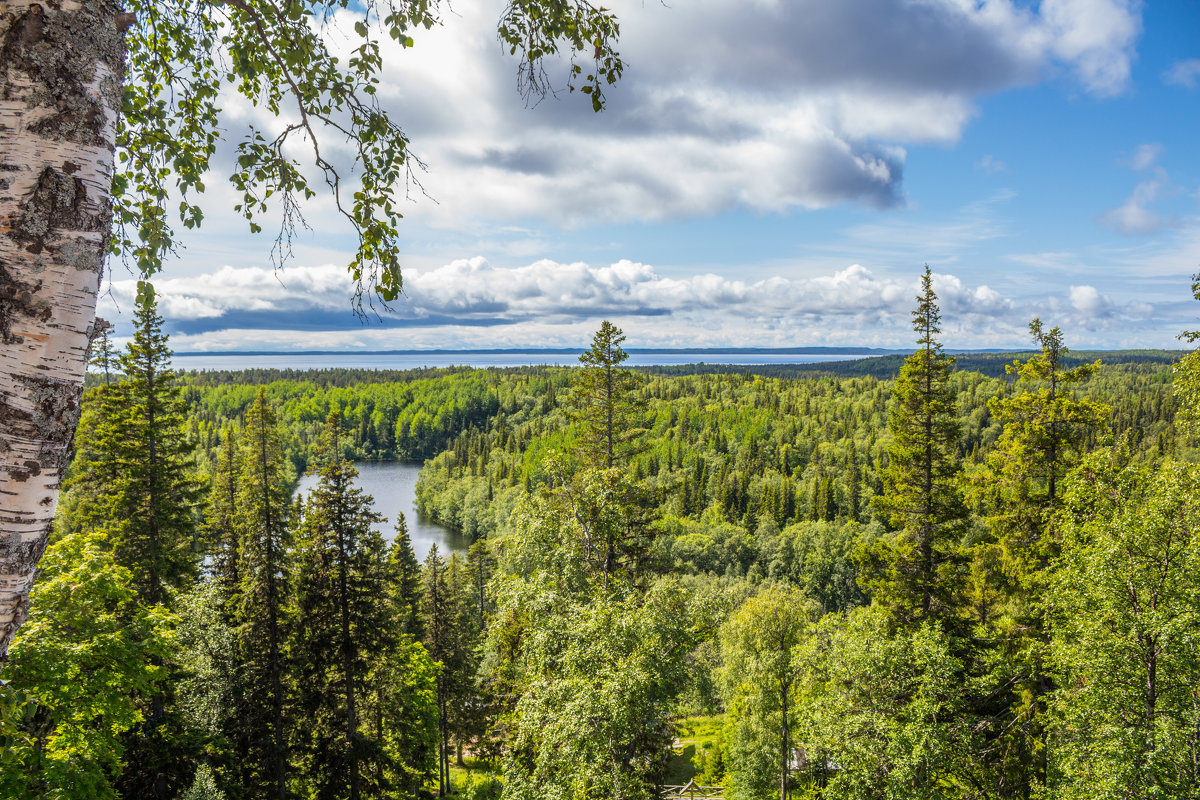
pixel 1134 216
pixel 472 289
pixel 1087 300
pixel 1095 38
pixel 472 303
pixel 1145 156
pixel 1184 73
pixel 769 106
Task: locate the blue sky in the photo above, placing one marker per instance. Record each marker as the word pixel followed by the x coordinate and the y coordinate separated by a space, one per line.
pixel 770 173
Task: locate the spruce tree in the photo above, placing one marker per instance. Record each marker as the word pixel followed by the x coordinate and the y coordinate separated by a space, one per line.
pixel 134 475
pixel 264 577
pixel 440 611
pixel 1044 436
pixel 221 519
pixel 604 403
pixel 342 627
pixel 404 576
pixel 917 574
pixel 134 483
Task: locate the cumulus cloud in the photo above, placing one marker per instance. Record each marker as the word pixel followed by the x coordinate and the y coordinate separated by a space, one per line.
pixel 1184 73
pixel 1088 300
pixel 470 301
pixel 472 290
pixel 765 105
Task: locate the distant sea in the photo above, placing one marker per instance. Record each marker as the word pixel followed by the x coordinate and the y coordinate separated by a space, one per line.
pixel 415 359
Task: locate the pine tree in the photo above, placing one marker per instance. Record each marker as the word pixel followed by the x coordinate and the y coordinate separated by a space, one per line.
pixel 264 576
pixel 341 625
pixel 917 574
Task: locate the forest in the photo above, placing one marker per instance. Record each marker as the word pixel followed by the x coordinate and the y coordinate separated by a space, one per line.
pixel 882 579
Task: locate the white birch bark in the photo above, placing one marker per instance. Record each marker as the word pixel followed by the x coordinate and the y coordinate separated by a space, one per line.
pixel 61 68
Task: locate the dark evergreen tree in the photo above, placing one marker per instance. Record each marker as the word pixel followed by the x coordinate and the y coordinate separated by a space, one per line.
pixel 1046 428
pixel 442 615
pixel 134 475
pixel 480 565
pixel 221 520
pixel 404 572
pixel 918 572
pixel 134 482
pixel 341 627
pixel 264 576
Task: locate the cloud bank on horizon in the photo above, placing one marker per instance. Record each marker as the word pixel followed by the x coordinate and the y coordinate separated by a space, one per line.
pixel 470 303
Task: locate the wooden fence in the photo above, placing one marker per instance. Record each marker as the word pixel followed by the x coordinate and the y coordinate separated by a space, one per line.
pixel 691 791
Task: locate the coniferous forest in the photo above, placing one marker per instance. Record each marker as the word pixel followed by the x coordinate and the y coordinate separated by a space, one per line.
pixel 939 583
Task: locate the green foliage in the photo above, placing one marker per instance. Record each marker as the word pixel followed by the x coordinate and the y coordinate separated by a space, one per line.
pixel 339 629
pixel 597 678
pixel 184 53
pixel 133 476
pixel 1125 632
pixel 264 575
pixel 760 645
pixel 88 654
pixel 604 402
pixel 918 573
pixel 404 710
pixel 883 713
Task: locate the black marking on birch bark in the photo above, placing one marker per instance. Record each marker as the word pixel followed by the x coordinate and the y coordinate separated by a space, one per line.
pixel 58 202
pixel 18 298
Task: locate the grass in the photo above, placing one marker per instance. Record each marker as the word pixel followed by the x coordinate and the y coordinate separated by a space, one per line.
pixel 696 741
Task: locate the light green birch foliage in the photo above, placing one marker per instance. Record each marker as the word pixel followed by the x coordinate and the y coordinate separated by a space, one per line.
pixel 760 648
pixel 883 712
pixel 87 653
pixel 1126 633
pixel 279 56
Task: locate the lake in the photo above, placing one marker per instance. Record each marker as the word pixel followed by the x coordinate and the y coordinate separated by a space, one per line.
pixel 393 484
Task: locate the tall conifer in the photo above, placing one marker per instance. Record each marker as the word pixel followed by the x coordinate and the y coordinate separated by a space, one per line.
pixel 264 576
pixel 342 625
pixel 917 573
pixel 604 403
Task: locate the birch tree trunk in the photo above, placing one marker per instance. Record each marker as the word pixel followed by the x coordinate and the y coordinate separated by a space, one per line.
pixel 61 73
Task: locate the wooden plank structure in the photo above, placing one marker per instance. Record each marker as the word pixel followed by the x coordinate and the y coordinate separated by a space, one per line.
pixel 691 791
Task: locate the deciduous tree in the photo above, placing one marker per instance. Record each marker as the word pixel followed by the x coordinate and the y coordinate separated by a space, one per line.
pixel 760 647
pixel 1125 632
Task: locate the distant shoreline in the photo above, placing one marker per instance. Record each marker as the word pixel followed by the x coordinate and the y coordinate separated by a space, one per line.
pixel 779 351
